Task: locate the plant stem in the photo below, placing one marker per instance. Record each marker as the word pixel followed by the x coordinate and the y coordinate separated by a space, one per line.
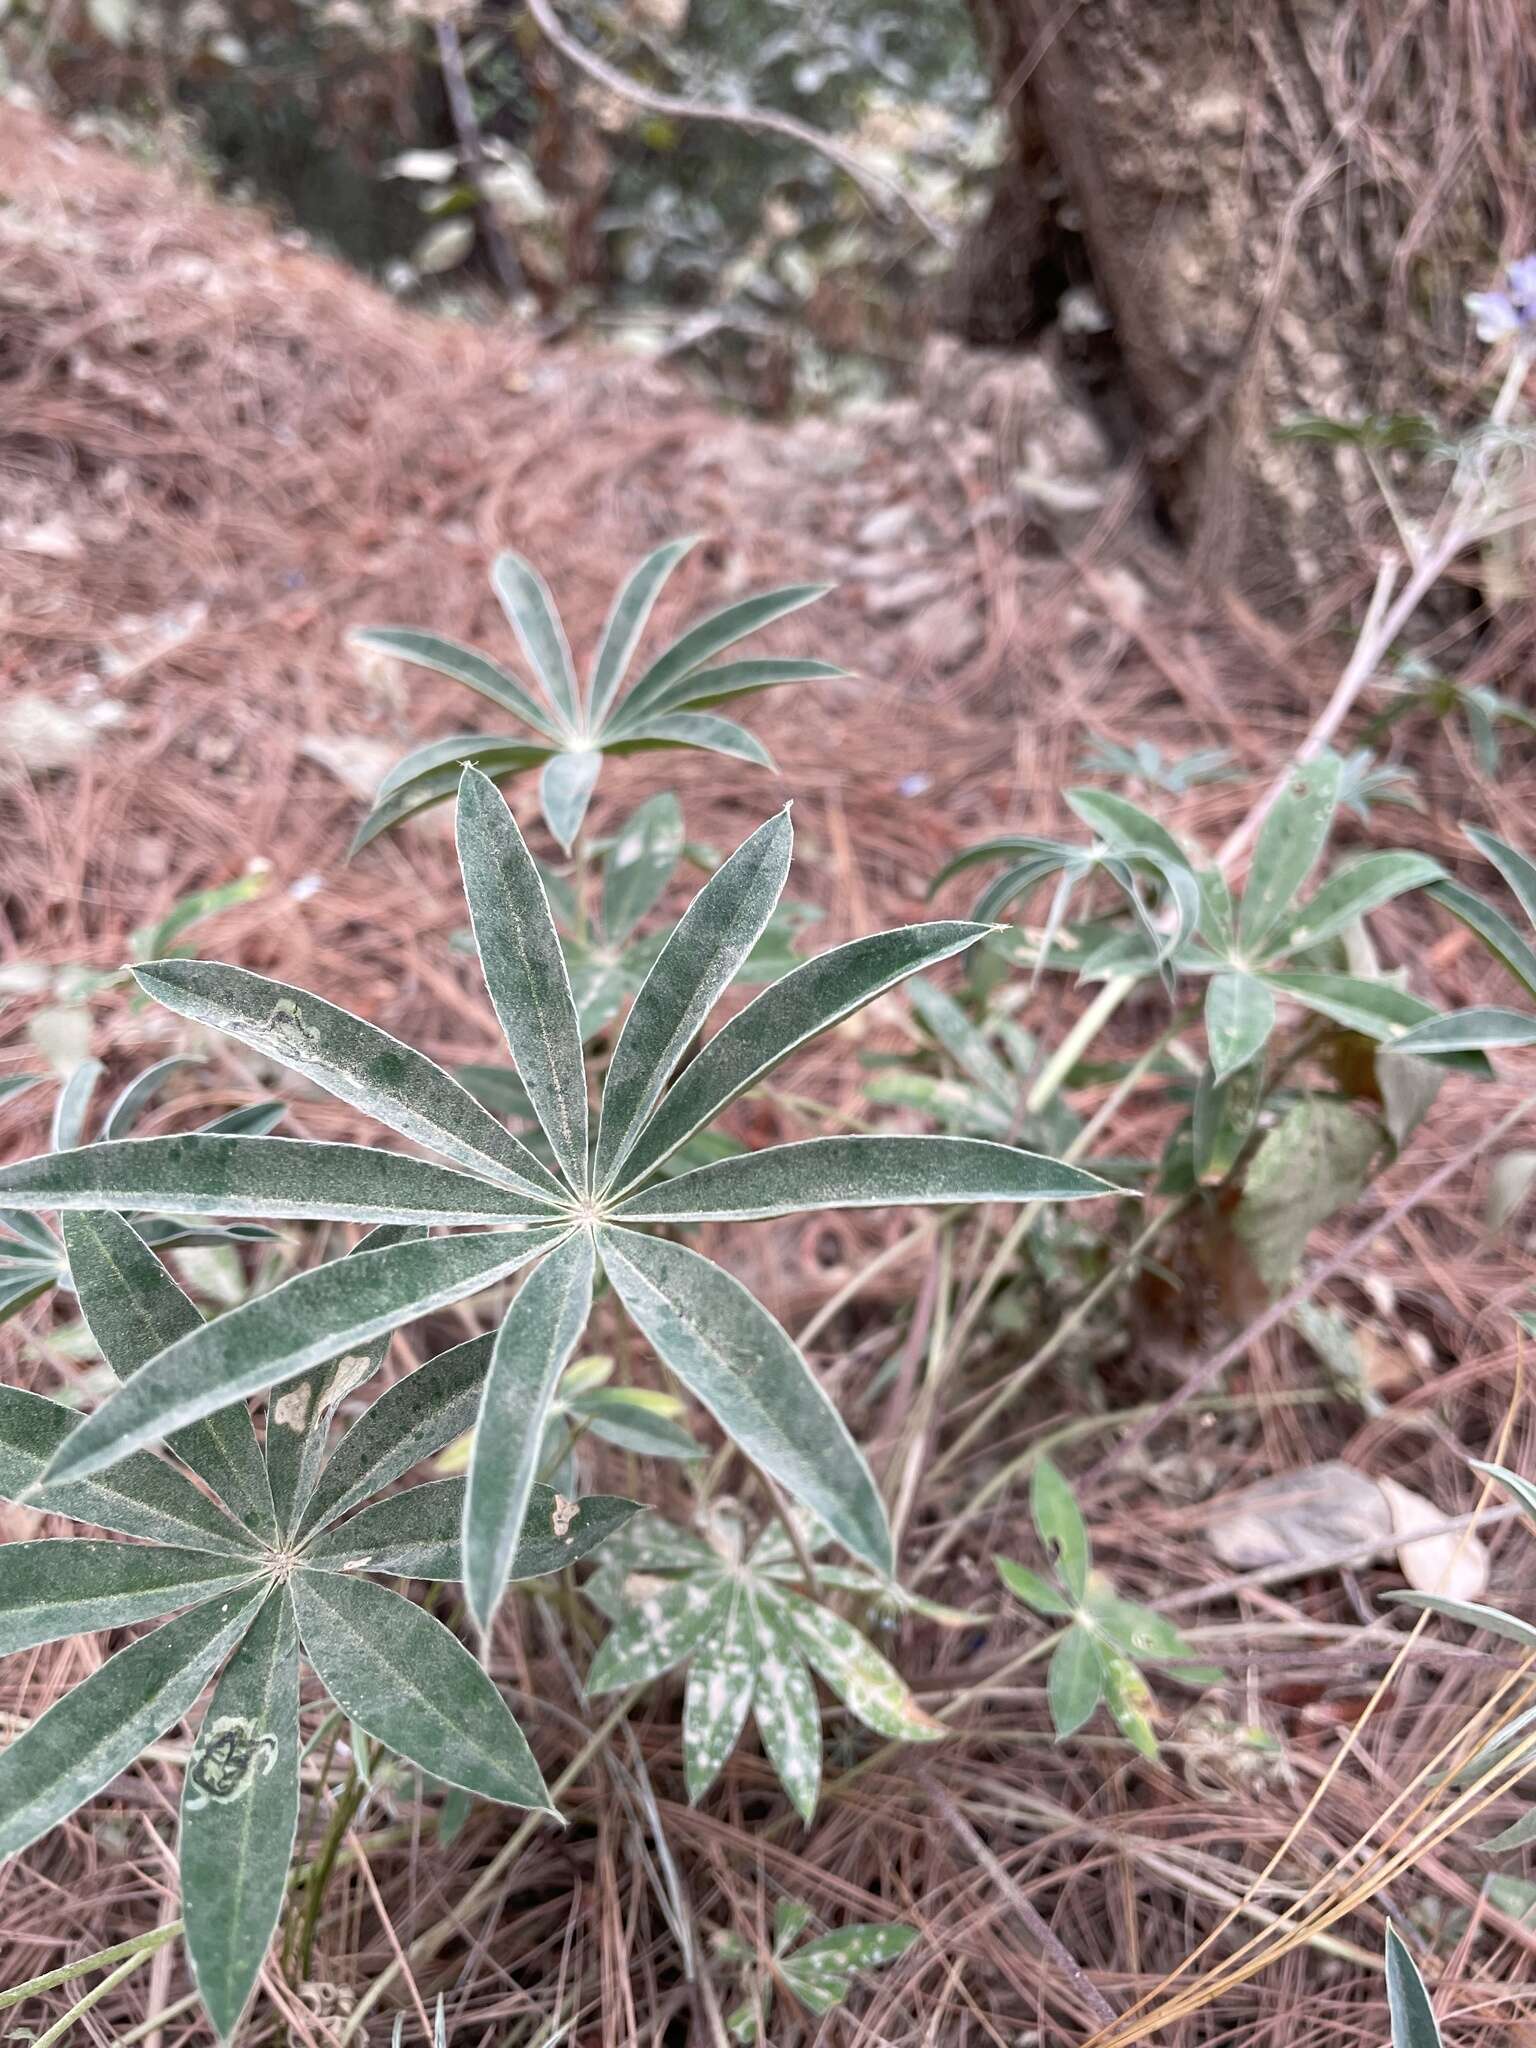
pixel 351 1797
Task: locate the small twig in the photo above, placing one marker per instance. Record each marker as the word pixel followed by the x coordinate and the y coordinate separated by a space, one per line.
pixel 880 191
pixel 1039 1929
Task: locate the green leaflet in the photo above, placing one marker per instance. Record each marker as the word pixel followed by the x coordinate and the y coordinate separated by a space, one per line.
pixel 143 1496
pixel 1493 928
pixel 1075 1681
pixel 660 1630
pixel 867 1685
pixel 721 1680
pixel 409 1421
pixel 239 1813
pixel 1374 1008
pixel 1516 868
pixel 97 1730
pixel 135 1309
pixel 1413 2017
pixel 464 664
pixel 701 643
pixel 565 790
pixel 198 1175
pixel 414 1687
pixel 1059 1524
pixel 696 729
pixel 352 1060
pixel 524 969
pixel 525 598
pixel 785 1016
pixel 1474 1614
pixel 965 1044
pixel 1290 841
pixel 1029 1587
pixel 491 757
pixel 860 1173
pixel 299 1419
pixel 641 863
pixel 785 1710
pixel 312 1317
pixel 821 1974
pixel 1239 1017
pixel 418 1534
pixel 1482 1030
pixel 66 1585
pixel 706 686
pixel 533 1347
pixel 1520 1490
pixel 710 941
pixel 730 1353
pixel 140 1091
pixel 73 1106
pixel 627 621
pixel 1351 892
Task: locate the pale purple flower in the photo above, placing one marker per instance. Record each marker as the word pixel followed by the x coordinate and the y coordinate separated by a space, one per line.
pixel 1511 311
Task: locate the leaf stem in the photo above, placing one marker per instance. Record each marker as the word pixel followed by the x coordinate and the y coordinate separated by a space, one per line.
pixel 140 1945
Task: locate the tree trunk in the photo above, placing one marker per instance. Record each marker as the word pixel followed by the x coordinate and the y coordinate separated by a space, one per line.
pixel 1280 203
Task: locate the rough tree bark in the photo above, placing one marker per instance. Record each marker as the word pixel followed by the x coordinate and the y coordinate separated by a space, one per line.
pixel 1280 203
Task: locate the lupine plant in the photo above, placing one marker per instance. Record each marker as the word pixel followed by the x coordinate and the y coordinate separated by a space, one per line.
pixel 735 1612
pixel 275 1557
pixel 672 703
pixel 819 1973
pixel 1104 1639
pixel 599 1205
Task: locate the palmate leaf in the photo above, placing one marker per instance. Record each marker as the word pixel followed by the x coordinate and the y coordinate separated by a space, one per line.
pixel 821 1974
pixel 399 1674
pixel 312 1317
pixel 668 706
pixel 64 1586
pixel 859 1173
pixel 1493 928
pixel 751 1640
pixel 95 1731
pixel 1474 1613
pixel 736 1360
pixel 354 1061
pixel 533 1347
pixel 239 1814
pixel 198 1175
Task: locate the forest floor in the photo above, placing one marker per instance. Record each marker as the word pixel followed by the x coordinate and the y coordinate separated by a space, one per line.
pixel 220 451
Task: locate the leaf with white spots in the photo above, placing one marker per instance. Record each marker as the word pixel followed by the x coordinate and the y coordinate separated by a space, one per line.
pixel 785 1709
pixel 821 1974
pixel 660 1630
pixel 720 1685
pixel 871 1689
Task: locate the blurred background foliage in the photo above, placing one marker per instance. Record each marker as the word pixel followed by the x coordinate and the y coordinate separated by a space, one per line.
pixel 686 237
